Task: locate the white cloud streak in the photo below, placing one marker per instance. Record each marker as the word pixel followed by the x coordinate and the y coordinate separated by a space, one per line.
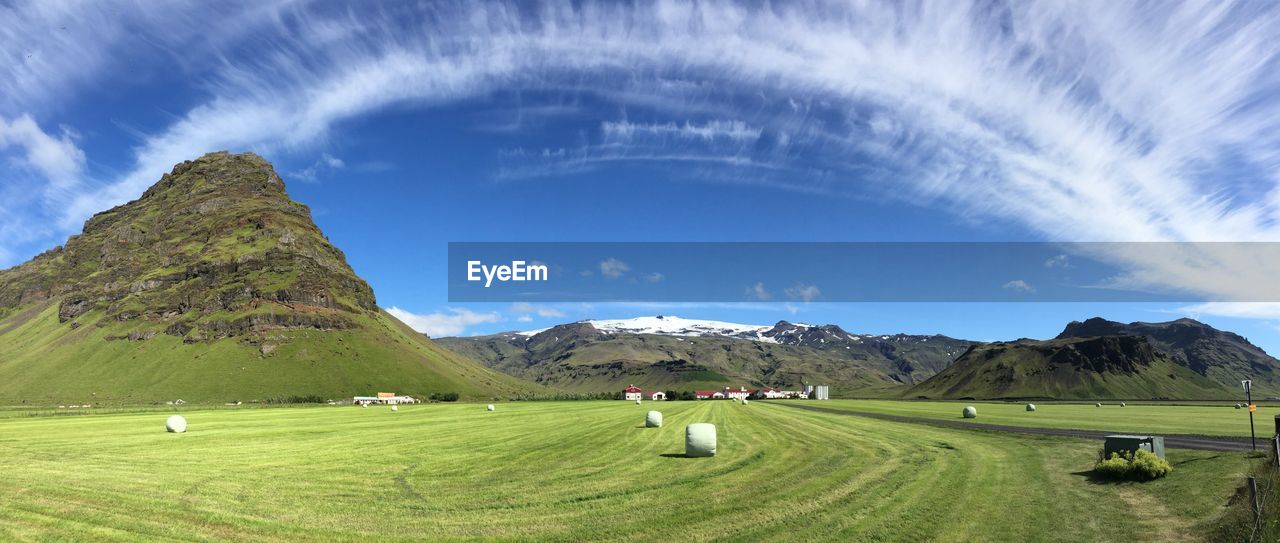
pixel 450 322
pixel 613 268
pixel 758 292
pixel 1018 285
pixel 803 292
pixel 1079 121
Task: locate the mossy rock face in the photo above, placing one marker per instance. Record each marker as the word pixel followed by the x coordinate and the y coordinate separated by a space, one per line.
pixel 214 285
pixel 215 245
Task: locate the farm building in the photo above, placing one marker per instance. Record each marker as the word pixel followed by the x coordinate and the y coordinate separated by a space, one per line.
pixel 708 394
pixel 768 394
pixel 388 398
pixel 740 393
pixel 633 392
pixel 820 392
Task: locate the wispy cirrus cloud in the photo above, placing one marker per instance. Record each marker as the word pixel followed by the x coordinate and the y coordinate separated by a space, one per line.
pixel 450 322
pixel 324 164
pixel 1146 125
pixel 1018 285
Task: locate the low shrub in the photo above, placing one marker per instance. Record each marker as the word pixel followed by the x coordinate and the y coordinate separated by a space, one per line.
pixel 1139 466
pixel 307 398
pixel 444 396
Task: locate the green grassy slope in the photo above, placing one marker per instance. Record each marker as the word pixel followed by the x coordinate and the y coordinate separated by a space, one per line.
pixel 1210 420
pixel 41 362
pixel 213 286
pixel 1113 367
pixel 575 471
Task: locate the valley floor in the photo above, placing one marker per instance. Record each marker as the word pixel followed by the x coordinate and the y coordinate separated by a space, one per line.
pixel 573 471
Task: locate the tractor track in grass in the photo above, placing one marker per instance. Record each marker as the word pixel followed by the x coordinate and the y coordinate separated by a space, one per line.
pixel 1203 443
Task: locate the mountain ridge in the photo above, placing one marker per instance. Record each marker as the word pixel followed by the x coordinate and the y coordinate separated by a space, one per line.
pixel 213 285
pixel 594 355
pixel 1101 359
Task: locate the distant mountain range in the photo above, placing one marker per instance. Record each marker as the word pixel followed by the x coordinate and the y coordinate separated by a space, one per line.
pixel 1096 358
pixel 671 352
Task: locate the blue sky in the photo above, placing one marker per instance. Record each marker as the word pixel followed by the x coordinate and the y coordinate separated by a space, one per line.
pixel 406 127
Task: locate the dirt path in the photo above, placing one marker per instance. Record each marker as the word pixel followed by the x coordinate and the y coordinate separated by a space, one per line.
pixel 1204 443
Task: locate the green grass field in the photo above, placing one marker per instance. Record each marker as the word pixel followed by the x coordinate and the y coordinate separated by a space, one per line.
pixel 1147 418
pixel 572 471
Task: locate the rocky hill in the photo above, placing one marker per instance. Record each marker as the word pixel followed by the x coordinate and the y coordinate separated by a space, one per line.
pixel 1101 359
pixel 213 286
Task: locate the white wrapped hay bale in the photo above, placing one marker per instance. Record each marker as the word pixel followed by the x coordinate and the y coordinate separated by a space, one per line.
pixel 744 401
pixel 653 419
pixel 637 402
pixel 969 412
pixel 1238 406
pixel 176 424
pixel 1122 404
pixel 1031 407
pixel 395 408
pixel 1099 404
pixel 700 440
pixel 490 407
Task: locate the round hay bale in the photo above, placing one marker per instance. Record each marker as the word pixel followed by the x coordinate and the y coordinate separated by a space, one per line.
pixel 1122 404
pixel 1099 404
pixel 1031 407
pixel 969 412
pixel 1238 406
pixel 744 401
pixel 653 419
pixel 395 408
pixel 489 407
pixel 176 424
pixel 637 402
pixel 700 440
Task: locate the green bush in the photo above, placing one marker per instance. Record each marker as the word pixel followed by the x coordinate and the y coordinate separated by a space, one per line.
pixel 307 398
pixel 444 396
pixel 1139 466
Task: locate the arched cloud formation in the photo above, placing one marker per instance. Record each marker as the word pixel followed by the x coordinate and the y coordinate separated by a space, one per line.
pixel 1084 121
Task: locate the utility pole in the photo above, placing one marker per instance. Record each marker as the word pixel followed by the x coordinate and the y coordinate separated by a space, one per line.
pixel 1248 395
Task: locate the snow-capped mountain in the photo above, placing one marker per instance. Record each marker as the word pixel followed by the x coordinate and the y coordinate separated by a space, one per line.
pixel 669 351
pixel 675 326
pixel 785 333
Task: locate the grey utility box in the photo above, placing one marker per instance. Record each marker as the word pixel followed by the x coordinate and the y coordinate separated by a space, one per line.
pixel 1129 444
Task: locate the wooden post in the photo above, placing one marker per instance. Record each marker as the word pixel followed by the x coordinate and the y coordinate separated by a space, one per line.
pixel 1275 450
pixel 1253 494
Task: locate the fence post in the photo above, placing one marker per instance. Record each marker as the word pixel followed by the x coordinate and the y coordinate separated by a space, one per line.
pixel 1253 494
pixel 1275 449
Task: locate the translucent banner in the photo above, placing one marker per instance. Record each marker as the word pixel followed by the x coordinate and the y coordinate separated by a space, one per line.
pixel 863 272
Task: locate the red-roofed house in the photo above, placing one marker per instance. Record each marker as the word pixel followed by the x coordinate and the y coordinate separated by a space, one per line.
pixel 740 393
pixel 632 392
pixel 709 394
